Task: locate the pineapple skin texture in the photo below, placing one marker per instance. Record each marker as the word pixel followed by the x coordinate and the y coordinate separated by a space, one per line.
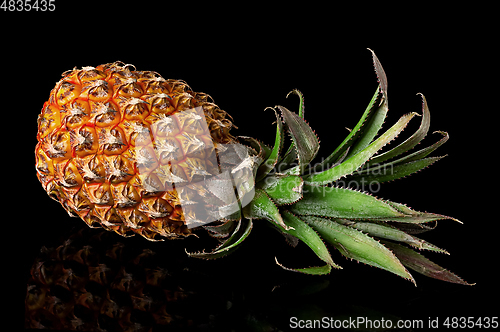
pixel 101 147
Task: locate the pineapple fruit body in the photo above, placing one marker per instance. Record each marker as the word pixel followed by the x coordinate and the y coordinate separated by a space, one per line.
pixel 122 149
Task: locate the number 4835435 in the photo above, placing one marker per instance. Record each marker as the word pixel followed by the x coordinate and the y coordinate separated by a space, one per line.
pixel 28 5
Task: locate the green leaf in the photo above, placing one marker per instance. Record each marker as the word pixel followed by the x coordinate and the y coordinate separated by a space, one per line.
pixel 353 163
pixel 306 234
pixel 371 129
pixel 418 263
pixel 378 117
pixel 355 245
pixel 272 159
pixel 382 78
pixel 343 203
pixel 262 207
pixel 283 189
pixel 241 232
pixel 314 270
pixel 295 170
pixel 411 142
pixel 301 103
pixel 425 151
pixel 381 169
pixel 305 140
pixel 412 216
pixel 385 231
pixel 291 154
pixel 415 228
pixel 288 161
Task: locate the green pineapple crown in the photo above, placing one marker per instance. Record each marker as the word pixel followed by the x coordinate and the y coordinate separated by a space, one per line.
pixel 308 202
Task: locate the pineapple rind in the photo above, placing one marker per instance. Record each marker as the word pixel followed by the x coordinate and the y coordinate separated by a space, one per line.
pixel 111 139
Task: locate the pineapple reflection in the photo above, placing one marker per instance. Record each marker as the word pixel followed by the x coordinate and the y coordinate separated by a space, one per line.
pixel 98 281
pixel 94 282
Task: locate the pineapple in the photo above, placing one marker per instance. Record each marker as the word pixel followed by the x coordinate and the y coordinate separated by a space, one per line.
pixel 131 152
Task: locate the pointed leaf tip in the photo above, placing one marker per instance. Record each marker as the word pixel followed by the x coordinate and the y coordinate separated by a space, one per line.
pixel 306 234
pixel 357 245
pixel 385 231
pixel 314 270
pixel 301 103
pixel 417 262
pixel 304 138
pixel 379 70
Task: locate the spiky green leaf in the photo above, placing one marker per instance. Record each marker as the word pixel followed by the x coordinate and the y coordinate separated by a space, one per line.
pixel 412 216
pixel 357 245
pixel 304 139
pixel 371 129
pixel 290 156
pixel 301 102
pixel 418 263
pixel 262 207
pixel 379 70
pixel 306 234
pixel 385 231
pixel 425 151
pixel 283 189
pixel 414 228
pixel 343 203
pixel 273 157
pixel 411 142
pixel 353 163
pixel 241 232
pixel 346 203
pixel 376 118
pixel 314 270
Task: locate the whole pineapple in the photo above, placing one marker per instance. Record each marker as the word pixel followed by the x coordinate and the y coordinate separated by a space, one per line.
pixel 133 152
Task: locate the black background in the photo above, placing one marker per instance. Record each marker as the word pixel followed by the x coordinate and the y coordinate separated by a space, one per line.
pixel 248 57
